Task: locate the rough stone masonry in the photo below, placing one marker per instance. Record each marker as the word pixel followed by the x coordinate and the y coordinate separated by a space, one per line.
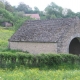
pixel 48 36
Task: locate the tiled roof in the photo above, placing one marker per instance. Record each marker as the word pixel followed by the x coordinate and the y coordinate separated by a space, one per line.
pixel 35 16
pixel 42 30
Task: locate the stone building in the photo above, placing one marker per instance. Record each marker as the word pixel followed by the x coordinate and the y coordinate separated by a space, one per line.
pixel 48 36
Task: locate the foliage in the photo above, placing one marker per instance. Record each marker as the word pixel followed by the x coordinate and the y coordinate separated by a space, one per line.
pixel 24 7
pixel 2 6
pixel 19 19
pixel 36 10
pixel 8 7
pixel 53 11
pixel 16 18
pixel 70 13
pixel 15 14
pixel 5 16
pixel 20 58
pixel 78 14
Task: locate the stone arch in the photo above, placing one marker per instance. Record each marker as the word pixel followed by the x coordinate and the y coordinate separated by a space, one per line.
pixel 63 47
pixel 74 46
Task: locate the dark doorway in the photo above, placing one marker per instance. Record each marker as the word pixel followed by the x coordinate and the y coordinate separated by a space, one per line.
pixel 74 47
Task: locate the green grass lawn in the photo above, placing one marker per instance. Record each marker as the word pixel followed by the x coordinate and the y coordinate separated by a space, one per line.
pixel 36 74
pixel 4 36
pixel 33 73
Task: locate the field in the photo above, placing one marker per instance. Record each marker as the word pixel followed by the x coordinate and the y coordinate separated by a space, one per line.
pixel 4 36
pixel 25 73
pixel 36 74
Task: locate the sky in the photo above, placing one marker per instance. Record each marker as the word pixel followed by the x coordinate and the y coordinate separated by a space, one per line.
pixel 74 5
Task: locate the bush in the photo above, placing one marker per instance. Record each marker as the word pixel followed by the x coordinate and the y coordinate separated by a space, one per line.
pixel 19 19
pixel 6 16
pixel 20 58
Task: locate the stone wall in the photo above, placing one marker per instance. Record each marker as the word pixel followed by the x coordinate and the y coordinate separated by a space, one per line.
pixel 73 31
pixel 44 33
pixel 34 48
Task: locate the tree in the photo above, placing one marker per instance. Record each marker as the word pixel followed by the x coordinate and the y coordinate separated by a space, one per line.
pixel 24 7
pixel 6 16
pixel 36 10
pixel 8 7
pixel 53 11
pixel 20 13
pixel 69 13
pixel 53 16
pixel 2 5
pixel 42 15
pixel 78 14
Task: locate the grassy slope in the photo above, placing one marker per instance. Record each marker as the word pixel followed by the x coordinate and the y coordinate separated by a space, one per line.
pixel 4 36
pixel 34 73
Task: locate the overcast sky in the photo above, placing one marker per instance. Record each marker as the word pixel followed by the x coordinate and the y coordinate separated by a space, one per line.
pixel 74 5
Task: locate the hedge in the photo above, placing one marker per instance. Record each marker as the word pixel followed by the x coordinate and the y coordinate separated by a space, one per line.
pixel 19 58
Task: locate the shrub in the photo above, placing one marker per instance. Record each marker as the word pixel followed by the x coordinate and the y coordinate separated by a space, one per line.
pixel 6 15
pixel 20 58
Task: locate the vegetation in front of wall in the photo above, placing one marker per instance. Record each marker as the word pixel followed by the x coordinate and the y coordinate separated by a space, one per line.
pixel 11 59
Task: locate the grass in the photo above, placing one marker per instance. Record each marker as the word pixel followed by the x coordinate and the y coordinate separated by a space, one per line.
pixel 64 72
pixel 4 36
pixel 36 74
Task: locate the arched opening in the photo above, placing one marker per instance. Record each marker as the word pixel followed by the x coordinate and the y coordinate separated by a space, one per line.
pixel 74 47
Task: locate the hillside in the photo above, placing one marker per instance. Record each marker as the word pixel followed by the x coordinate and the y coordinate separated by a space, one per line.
pixel 5 34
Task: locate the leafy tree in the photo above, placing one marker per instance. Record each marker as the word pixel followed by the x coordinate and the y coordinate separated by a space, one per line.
pixel 24 7
pixel 78 14
pixel 42 15
pixel 36 10
pixel 8 7
pixel 70 13
pixel 53 16
pixel 6 16
pixel 53 11
pixel 21 14
pixel 2 5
